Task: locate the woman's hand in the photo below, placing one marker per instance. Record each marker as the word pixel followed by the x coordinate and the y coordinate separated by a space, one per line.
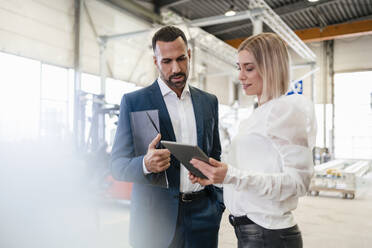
pixel 215 171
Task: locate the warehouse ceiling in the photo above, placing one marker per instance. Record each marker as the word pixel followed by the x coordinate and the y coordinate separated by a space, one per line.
pixel 297 14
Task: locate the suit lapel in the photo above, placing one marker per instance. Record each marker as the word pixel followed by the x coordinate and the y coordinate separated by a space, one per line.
pixel 165 121
pixel 166 128
pixel 198 111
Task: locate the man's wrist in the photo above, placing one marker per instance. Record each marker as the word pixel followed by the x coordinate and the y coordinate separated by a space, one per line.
pixel 145 171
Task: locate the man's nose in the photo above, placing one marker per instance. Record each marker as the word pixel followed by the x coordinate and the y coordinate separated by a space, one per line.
pixel 176 67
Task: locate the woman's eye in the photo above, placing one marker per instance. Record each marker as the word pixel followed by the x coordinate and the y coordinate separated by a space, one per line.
pixel 249 69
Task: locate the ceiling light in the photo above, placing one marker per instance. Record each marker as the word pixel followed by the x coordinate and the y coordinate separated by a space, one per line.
pixel 230 12
pixel 313 1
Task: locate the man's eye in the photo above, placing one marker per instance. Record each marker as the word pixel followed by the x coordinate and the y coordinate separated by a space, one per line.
pixel 181 59
pixel 166 61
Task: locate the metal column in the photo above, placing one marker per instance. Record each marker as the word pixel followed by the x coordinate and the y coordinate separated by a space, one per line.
pixel 331 74
pixel 312 78
pixel 257 25
pixel 102 64
pixel 77 123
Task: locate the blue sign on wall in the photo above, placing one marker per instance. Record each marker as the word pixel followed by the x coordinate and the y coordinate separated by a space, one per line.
pixel 298 89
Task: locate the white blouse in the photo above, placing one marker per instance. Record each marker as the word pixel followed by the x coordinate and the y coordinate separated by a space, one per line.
pixel 270 162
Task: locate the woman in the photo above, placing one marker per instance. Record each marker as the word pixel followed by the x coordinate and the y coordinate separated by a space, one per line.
pixel 270 163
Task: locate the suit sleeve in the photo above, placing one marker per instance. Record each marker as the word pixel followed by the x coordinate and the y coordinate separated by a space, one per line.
pixel 216 154
pixel 216 147
pixel 124 165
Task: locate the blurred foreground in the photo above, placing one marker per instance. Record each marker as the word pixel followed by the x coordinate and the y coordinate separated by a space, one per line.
pixel 51 197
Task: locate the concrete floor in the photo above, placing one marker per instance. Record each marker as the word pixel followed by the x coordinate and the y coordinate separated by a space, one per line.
pixel 326 221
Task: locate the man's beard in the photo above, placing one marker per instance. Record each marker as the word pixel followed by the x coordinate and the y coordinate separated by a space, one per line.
pixel 179 84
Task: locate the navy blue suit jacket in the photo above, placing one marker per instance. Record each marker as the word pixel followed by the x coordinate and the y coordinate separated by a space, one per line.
pixel 154 209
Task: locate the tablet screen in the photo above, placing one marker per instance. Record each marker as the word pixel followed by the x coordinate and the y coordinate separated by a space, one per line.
pixel 184 153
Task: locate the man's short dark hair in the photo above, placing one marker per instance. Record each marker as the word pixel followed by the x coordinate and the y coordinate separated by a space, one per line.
pixel 168 34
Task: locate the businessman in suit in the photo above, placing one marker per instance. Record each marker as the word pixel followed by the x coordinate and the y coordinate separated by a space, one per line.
pixel 180 214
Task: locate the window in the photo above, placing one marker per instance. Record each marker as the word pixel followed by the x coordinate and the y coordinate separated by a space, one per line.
pixel 115 89
pixel 20 98
pixel 37 100
pixel 353 115
pixel 323 135
pixel 54 118
pixel 90 83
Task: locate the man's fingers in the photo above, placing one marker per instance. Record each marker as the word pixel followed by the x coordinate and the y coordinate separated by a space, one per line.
pixel 159 155
pixel 162 151
pixel 161 166
pixel 156 140
pixel 164 163
pixel 160 163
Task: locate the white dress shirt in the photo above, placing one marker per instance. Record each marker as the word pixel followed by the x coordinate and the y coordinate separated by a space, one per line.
pixel 181 112
pixel 270 162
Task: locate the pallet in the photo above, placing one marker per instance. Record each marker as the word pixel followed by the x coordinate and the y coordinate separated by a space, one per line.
pixel 343 183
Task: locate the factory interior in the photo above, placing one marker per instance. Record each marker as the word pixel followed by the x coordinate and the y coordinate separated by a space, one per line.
pixel 65 65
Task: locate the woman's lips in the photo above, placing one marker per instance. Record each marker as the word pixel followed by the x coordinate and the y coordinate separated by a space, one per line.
pixel 245 86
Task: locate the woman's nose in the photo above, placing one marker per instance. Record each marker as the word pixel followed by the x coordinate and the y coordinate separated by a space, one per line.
pixel 241 75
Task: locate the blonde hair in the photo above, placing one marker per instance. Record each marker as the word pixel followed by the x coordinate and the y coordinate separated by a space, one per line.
pixel 272 58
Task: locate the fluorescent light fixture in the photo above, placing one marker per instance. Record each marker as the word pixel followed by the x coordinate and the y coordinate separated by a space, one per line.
pixel 230 12
pixel 313 1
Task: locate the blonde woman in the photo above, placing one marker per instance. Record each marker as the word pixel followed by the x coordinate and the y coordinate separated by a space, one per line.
pixel 269 165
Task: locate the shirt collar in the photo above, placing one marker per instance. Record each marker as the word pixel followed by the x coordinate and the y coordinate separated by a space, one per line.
pixel 165 90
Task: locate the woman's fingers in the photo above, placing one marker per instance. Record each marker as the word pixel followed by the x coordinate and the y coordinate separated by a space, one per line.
pixel 214 162
pixel 193 178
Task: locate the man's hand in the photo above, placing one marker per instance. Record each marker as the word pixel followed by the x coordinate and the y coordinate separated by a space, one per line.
pixel 156 160
pixel 215 171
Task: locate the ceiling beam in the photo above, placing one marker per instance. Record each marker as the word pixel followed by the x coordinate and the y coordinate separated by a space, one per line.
pixel 235 42
pixel 350 29
pixel 336 31
pixel 213 20
pixel 171 3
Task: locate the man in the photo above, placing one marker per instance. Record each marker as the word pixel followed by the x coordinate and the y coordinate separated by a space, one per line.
pixel 183 214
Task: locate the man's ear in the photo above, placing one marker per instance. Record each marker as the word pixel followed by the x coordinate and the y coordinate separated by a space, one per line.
pixel 155 60
pixel 189 53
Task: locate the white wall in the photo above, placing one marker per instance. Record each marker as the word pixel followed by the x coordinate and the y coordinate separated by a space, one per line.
pixel 40 29
pixel 350 54
pixel 353 54
pixel 44 30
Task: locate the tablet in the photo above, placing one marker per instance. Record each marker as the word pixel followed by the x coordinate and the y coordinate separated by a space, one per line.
pixel 184 153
